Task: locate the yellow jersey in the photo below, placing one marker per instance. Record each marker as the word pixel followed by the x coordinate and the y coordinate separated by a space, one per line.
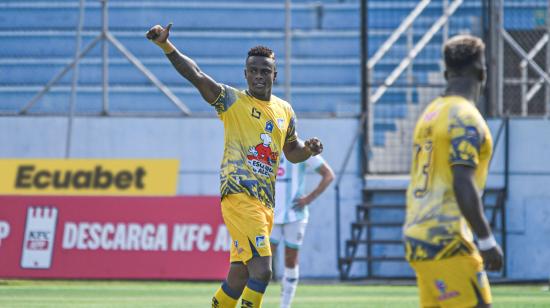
pixel 451 131
pixel 255 132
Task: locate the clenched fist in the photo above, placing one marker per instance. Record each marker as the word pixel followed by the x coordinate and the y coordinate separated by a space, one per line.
pixel 492 258
pixel 158 34
pixel 314 146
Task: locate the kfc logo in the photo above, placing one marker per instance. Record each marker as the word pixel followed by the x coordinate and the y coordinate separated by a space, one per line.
pixel 39 237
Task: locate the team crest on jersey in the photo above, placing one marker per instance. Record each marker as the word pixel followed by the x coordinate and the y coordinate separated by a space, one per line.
pixel 260 241
pixel 261 157
pixel 269 126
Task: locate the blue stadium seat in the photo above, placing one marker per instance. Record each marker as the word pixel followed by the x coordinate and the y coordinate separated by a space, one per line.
pixel 130 15
pixel 314 72
pixel 218 34
pixel 195 44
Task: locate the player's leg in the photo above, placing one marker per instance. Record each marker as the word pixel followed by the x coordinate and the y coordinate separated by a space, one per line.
pixel 231 289
pixel 294 236
pixel 259 266
pixel 454 282
pixel 274 239
pixel 250 223
pixel 259 269
pixel 424 281
pixel 466 276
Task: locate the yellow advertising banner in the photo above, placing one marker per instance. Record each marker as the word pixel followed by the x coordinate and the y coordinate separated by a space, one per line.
pixel 89 177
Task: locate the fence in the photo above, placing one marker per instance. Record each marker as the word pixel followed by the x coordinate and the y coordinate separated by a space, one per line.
pixel 516 35
pixel 410 72
pixel 525 93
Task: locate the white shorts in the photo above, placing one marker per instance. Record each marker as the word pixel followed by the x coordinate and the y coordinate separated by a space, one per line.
pixel 292 233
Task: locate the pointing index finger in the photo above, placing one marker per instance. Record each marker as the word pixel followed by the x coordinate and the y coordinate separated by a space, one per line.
pixel 169 26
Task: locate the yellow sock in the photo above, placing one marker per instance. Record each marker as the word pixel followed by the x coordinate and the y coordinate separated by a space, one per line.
pixel 225 297
pixel 253 294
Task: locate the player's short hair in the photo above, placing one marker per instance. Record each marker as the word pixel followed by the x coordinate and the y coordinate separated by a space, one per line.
pixel 462 51
pixel 261 51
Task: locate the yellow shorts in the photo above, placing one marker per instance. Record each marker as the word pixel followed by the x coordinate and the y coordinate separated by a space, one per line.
pixel 454 282
pixel 249 223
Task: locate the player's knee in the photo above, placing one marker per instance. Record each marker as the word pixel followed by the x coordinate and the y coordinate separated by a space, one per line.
pixel 290 261
pixel 263 274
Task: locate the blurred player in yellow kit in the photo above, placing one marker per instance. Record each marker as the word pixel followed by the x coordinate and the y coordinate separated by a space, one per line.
pixel 258 127
pixel 451 153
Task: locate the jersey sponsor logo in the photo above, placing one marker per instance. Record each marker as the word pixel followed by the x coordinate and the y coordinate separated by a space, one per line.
pixel 256 113
pixel 260 241
pixel 4 230
pixel 444 294
pixel 280 123
pixel 39 237
pixel 88 177
pixel 261 157
pixel 269 126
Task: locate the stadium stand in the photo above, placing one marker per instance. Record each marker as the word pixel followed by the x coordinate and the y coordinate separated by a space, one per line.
pixel 325 63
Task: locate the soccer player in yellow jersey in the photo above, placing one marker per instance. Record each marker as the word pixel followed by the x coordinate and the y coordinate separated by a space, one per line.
pixel 451 154
pixel 258 127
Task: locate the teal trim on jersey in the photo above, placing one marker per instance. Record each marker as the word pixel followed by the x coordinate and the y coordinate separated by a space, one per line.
pixel 293 246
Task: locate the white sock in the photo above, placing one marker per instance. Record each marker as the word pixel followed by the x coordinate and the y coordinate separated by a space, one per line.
pixel 289 284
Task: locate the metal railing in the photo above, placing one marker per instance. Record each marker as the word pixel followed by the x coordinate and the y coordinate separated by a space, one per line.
pixel 360 131
pixel 105 37
pixel 426 38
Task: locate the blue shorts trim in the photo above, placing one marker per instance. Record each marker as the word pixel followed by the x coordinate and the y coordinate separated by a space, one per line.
pixel 231 293
pixel 255 252
pixel 256 285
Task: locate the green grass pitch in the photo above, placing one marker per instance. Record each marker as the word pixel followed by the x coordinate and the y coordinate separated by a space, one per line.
pixel 17 293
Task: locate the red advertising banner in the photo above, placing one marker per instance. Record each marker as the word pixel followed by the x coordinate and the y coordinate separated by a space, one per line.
pixel 113 238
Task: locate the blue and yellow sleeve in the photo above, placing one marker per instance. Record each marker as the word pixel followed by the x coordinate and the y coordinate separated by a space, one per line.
pixel 291 134
pixel 226 98
pixel 466 138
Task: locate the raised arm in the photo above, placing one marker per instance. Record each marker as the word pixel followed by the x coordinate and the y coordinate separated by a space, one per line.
pixel 208 87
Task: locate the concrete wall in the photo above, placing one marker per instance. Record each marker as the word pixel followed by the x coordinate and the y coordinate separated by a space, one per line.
pixel 198 143
pixel 528 206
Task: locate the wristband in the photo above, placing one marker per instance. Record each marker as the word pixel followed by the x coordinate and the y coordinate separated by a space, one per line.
pixel 487 243
pixel 167 47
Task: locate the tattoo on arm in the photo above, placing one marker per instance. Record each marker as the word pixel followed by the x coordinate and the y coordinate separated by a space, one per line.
pixel 184 65
pixel 208 87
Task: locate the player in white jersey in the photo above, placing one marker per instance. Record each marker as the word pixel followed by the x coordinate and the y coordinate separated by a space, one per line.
pixel 292 214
